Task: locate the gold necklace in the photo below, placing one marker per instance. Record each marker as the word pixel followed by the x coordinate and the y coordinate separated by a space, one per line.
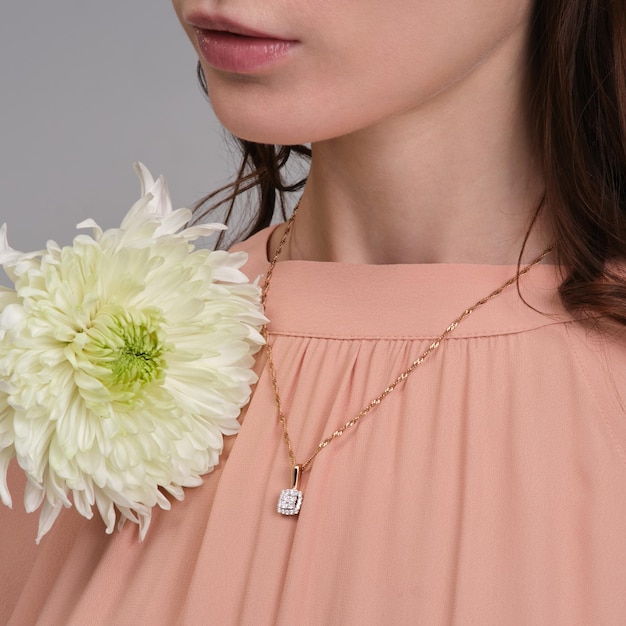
pixel 290 500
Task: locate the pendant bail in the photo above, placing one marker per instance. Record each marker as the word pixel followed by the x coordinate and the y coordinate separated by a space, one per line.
pixel 295 476
pixel 290 500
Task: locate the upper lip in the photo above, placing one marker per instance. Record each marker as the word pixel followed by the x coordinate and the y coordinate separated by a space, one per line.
pixel 225 24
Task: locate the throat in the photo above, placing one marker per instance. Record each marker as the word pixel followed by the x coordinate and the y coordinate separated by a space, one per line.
pixel 347 238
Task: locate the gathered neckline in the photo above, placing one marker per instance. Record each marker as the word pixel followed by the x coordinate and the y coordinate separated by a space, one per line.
pixel 400 301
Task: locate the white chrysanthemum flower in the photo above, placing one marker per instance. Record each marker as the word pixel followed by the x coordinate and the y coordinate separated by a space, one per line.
pixel 124 359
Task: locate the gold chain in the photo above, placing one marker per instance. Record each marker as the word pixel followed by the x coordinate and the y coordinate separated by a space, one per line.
pixel 392 386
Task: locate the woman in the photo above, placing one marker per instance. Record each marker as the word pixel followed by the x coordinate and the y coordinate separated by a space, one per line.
pixel 454 144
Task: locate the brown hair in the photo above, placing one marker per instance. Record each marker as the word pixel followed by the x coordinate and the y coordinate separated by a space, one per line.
pixel 577 106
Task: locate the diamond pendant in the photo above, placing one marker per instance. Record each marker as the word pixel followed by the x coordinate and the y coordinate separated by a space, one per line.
pixel 290 500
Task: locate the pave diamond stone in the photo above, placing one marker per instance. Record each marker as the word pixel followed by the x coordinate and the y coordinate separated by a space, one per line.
pixel 289 502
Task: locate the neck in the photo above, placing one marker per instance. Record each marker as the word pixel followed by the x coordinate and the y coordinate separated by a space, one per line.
pixel 454 180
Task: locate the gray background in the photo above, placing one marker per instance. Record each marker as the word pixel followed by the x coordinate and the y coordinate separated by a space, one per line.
pixel 86 89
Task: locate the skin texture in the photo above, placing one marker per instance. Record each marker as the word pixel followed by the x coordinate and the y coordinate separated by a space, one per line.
pixel 417 118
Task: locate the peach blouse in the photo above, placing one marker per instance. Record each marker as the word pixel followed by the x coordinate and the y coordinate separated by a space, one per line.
pixel 489 489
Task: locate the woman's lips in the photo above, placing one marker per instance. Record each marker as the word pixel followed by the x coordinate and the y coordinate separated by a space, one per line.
pixel 237 49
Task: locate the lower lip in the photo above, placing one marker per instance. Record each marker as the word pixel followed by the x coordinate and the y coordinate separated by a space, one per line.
pixel 234 53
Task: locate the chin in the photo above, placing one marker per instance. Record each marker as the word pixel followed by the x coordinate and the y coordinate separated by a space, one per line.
pixel 264 132
pixel 263 126
pixel 274 128
pixel 254 113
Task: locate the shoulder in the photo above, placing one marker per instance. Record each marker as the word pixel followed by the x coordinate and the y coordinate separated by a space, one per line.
pixel 255 247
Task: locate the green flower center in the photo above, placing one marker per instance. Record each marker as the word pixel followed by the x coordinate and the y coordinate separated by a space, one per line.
pixel 139 359
pixel 124 349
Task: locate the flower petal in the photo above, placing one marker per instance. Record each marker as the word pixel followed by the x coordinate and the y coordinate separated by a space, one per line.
pixel 6 456
pixel 145 177
pixel 90 223
pixel 7 254
pixel 34 495
pixel 49 513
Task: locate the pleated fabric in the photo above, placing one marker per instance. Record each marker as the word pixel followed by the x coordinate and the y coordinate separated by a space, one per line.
pixel 489 488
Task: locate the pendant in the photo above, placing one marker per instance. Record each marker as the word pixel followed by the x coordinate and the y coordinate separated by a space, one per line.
pixel 290 500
